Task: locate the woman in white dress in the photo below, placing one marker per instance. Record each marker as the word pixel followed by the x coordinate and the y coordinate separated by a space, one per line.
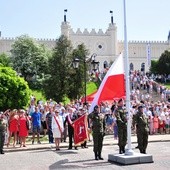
pixel 57 128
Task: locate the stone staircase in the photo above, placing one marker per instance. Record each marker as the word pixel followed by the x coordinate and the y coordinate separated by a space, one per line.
pixel 155 97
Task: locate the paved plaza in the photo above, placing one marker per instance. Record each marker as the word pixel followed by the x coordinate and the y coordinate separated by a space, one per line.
pixel 82 159
pixel 44 156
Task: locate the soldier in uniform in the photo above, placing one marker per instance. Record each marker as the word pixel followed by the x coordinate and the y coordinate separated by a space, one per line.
pixel 121 120
pixel 142 130
pixel 2 134
pixel 98 131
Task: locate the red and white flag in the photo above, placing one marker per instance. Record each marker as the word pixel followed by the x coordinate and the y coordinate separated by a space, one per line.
pixel 80 130
pixel 113 85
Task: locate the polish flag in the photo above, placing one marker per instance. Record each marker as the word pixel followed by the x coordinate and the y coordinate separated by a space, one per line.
pixel 113 85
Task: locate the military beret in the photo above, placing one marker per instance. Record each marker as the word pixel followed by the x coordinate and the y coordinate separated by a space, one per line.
pixel 140 107
pixel 96 107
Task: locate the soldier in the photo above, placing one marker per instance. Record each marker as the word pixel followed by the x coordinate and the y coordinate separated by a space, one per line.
pixel 142 130
pixel 121 120
pixel 2 134
pixel 98 128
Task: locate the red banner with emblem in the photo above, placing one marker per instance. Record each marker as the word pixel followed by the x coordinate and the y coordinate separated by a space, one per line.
pixel 80 130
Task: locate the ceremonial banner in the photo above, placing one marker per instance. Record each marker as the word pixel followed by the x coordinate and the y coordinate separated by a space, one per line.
pixel 149 54
pixel 80 130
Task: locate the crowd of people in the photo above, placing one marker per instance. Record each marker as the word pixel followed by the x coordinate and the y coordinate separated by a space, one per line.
pixel 57 121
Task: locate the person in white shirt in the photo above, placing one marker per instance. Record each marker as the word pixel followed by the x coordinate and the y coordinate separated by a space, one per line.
pixel 57 128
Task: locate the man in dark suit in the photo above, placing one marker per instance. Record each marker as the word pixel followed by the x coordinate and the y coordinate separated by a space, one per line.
pixel 70 118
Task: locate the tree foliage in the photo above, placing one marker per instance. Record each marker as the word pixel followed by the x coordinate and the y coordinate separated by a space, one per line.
pixel 5 60
pixel 56 84
pixel 14 90
pixel 163 66
pixel 154 66
pixel 29 59
pixel 79 75
pixel 64 80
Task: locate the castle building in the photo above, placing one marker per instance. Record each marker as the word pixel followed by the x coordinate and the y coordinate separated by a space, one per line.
pixel 105 45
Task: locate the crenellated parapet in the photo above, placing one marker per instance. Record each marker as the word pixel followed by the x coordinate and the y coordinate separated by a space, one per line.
pixel 8 38
pixel 144 42
pixel 36 39
pixel 44 39
pixel 85 32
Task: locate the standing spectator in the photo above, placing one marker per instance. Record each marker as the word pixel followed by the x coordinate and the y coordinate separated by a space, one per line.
pixel 6 119
pixel 121 120
pixel 63 115
pixel 57 128
pixel 167 121
pixel 43 121
pixel 98 129
pixel 150 121
pixel 36 123
pixel 13 126
pixel 155 124
pixel 49 125
pixel 2 134
pixel 142 130
pixel 23 131
pixel 115 128
pixel 70 120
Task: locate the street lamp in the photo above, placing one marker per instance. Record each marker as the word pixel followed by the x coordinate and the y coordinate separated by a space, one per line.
pixel 94 64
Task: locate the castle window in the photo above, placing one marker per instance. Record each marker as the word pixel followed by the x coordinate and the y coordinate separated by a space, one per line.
pixel 106 65
pixel 143 67
pixel 100 46
pixel 131 67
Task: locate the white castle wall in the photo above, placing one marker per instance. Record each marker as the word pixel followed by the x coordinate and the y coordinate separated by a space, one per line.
pixel 103 43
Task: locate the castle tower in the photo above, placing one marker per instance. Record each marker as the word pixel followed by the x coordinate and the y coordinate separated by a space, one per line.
pixel 112 31
pixel 65 26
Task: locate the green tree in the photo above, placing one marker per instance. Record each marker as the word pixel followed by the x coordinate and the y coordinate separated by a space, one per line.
pixel 29 59
pixel 56 85
pixel 163 66
pixel 154 67
pixel 5 60
pixel 79 75
pixel 14 90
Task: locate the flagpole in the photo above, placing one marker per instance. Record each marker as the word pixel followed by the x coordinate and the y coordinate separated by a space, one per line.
pixel 129 150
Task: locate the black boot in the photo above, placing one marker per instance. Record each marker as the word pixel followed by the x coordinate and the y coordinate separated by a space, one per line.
pixel 141 151
pixel 120 150
pixel 100 157
pixel 96 156
pixel 123 149
pixel 2 152
pixel 144 151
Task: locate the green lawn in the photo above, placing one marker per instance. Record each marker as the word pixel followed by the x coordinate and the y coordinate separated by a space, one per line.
pixel 38 95
pixel 91 87
pixel 168 85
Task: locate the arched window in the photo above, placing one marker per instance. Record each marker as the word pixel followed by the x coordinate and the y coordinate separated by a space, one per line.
pixel 105 65
pixel 131 67
pixel 143 67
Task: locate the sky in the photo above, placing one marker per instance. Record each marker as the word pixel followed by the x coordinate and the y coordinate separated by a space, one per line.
pixel 146 20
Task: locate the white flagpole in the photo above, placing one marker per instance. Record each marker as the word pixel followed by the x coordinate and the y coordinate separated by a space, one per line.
pixel 129 150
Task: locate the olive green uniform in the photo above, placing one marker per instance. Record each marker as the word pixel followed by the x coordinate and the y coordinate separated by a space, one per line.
pixel 98 132
pixel 121 120
pixel 142 131
pixel 2 136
